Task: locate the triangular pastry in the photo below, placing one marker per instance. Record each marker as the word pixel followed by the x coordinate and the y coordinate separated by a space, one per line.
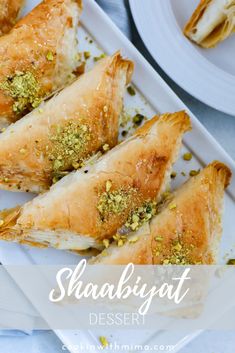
pixel 9 11
pixel 212 22
pixel 67 129
pixel 90 205
pixel 37 57
pixel 186 231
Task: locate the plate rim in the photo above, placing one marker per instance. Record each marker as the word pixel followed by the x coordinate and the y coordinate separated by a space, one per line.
pixel 135 6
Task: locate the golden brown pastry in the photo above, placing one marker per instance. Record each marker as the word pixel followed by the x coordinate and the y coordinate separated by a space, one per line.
pixel 212 22
pixel 187 230
pixel 92 204
pixel 37 57
pixel 9 11
pixel 67 129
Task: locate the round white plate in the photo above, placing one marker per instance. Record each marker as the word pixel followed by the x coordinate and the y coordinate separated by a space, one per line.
pixel 207 74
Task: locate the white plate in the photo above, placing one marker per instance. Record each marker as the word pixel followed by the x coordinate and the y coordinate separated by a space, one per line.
pixel 158 98
pixel 207 74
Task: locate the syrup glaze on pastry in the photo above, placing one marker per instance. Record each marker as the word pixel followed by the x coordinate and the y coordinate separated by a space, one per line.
pixel 37 57
pixel 66 130
pixel 92 204
pixel 9 11
pixel 186 231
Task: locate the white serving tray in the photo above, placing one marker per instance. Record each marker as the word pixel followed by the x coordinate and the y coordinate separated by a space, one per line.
pixel 153 95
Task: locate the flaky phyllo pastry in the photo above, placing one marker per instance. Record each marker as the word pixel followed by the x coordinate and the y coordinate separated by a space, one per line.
pixel 96 202
pixel 186 231
pixel 212 22
pixel 67 129
pixel 37 57
pixel 9 11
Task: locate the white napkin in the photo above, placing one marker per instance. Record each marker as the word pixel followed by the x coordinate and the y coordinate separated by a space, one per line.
pixel 15 309
pixel 118 10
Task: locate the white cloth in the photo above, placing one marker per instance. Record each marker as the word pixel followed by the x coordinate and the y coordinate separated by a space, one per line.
pixel 15 310
pixel 118 11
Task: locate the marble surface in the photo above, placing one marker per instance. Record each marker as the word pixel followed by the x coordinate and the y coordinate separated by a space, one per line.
pixel 222 127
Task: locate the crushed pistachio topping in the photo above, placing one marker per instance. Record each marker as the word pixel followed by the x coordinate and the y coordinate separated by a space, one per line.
pixel 124 133
pixel 173 175
pixel 138 119
pixel 131 91
pixel 166 195
pixel 87 55
pixel 113 202
pixel 104 253
pixel 231 262
pixel 120 239
pixel 24 89
pixel 105 147
pixel 158 238
pixel 68 143
pixel 106 243
pixel 23 151
pixel 178 256
pixel 50 56
pixel 97 58
pixel 141 215
pixel 105 108
pixel 78 56
pixel 187 156
pixel 80 69
pixel 58 175
pixel 172 206
pixel 179 253
pixel 103 341
pixel 194 172
pixel 108 185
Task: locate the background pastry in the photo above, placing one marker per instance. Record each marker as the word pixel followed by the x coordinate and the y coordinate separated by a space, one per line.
pixel 212 22
pixel 9 11
pixel 88 206
pixel 37 57
pixel 186 231
pixel 67 129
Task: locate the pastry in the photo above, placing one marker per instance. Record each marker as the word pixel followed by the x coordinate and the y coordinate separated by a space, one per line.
pixel 9 11
pixel 186 231
pixel 58 136
pixel 212 22
pixel 89 206
pixel 37 57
